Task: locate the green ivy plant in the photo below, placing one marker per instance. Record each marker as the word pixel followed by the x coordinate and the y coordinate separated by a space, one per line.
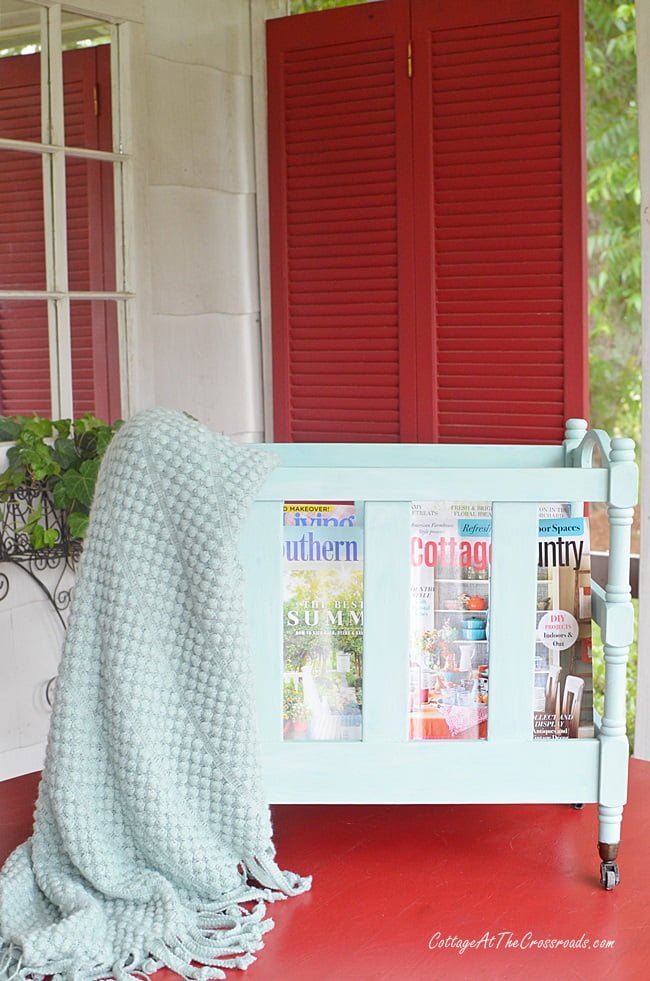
pixel 60 458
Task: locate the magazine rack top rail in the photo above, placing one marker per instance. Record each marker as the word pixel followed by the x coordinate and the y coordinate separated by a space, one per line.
pixel 509 766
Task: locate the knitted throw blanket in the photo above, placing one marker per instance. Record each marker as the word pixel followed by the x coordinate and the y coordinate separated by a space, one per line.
pixel 151 828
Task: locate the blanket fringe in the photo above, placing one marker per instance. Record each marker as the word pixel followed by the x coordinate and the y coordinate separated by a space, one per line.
pixel 225 938
pixel 10 962
pixel 282 884
pixel 218 935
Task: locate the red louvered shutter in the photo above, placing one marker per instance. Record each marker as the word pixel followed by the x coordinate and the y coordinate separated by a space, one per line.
pixel 497 90
pixel 24 343
pixel 486 210
pixel 91 245
pixel 24 346
pixel 341 240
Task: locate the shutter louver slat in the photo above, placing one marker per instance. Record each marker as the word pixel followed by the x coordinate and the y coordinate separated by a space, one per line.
pixel 339 124
pixel 508 313
pixel 24 346
pixel 79 264
pixel 24 358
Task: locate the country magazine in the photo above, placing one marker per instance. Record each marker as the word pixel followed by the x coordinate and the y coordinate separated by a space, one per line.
pixel 563 687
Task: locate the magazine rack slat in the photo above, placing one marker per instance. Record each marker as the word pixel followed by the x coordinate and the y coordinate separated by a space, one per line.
pixel 509 766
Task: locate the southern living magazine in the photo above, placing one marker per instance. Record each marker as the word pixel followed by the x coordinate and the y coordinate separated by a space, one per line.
pixel 450 599
pixel 323 620
pixel 563 692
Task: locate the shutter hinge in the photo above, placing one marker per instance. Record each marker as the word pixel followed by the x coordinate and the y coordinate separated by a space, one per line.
pixel 409 59
pixel 96 99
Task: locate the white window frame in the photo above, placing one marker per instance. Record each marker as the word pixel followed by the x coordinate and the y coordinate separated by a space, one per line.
pixel 54 154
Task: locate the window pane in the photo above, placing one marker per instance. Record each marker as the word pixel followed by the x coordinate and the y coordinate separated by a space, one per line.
pixel 20 73
pixel 95 359
pixel 83 32
pixel 24 358
pixel 87 94
pixel 22 236
pixel 308 6
pixel 91 234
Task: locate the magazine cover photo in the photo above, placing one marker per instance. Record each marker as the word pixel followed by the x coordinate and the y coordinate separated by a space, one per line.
pixel 323 621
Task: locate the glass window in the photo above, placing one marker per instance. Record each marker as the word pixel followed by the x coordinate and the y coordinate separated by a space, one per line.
pixel 20 72
pixel 22 225
pixel 60 293
pixel 24 357
pixel 86 83
pixel 89 196
pixel 308 6
pixel 95 365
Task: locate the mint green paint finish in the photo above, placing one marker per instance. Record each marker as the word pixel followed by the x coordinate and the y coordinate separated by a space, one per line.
pixel 509 766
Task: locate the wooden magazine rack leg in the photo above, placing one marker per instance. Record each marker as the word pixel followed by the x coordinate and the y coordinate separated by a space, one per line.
pixel 617 636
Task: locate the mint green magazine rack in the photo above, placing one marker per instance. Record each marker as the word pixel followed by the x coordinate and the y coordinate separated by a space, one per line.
pixel 509 766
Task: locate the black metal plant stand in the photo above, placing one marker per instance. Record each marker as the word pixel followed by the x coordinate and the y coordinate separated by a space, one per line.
pixel 17 549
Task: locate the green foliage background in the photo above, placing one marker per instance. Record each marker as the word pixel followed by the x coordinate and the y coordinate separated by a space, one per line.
pixel 307 6
pixel 614 197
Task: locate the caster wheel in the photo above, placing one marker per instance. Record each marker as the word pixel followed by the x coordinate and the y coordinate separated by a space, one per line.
pixel 609 875
pixel 577 807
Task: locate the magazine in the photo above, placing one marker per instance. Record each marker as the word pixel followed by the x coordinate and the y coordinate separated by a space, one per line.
pixel 450 601
pixel 563 693
pixel 323 620
pixel 450 604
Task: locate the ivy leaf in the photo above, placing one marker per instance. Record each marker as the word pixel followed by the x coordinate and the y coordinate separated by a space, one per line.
pixel 37 458
pixel 78 523
pixel 61 497
pixel 33 521
pixel 10 480
pixel 37 428
pixel 87 423
pixel 105 435
pixel 65 454
pixel 79 484
pixel 63 427
pixel 50 537
pixel 86 444
pixel 37 536
pixel 9 429
pixel 41 537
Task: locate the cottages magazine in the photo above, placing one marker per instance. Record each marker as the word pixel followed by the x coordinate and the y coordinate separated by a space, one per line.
pixel 323 621
pixel 450 611
pixel 450 601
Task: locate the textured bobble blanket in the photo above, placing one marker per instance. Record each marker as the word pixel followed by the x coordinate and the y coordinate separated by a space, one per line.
pixel 151 831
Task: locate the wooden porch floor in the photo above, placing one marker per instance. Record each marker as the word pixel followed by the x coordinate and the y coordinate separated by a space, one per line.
pixel 398 890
